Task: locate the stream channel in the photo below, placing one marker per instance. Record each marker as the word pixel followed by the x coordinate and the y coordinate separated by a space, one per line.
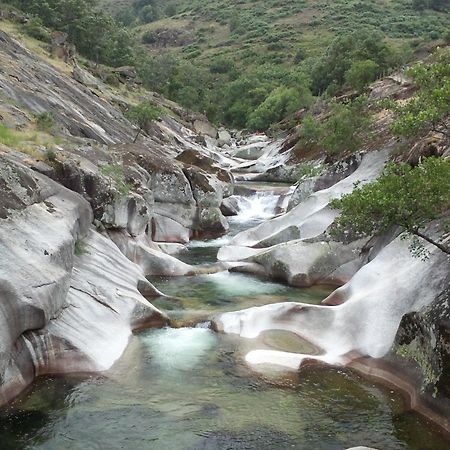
pixel 189 388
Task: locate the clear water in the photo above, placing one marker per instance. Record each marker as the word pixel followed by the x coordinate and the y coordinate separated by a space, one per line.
pixel 189 388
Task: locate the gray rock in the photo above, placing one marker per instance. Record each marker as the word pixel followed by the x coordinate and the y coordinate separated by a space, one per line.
pixel 361 448
pixel 313 216
pixel 250 151
pixel 229 206
pixel 85 78
pixel 203 127
pixel 44 169
pixel 72 104
pixel 165 229
pixel 224 138
pixel 70 298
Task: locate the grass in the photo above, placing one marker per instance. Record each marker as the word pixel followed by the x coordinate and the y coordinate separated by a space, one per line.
pixel 10 137
pixel 39 48
pixel 34 143
pixel 116 174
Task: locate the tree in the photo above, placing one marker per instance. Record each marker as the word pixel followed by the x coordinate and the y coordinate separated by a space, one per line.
pixel 345 50
pixel 430 108
pixel 150 13
pixel 361 73
pixel 96 35
pixel 404 196
pixel 156 72
pixel 420 4
pixel 342 130
pixel 142 115
pixel 280 102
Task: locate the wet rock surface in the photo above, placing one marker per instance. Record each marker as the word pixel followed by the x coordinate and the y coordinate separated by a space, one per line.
pixel 56 297
pixel 80 233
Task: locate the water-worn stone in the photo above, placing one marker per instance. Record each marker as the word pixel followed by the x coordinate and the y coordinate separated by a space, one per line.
pixel 224 138
pixel 71 103
pixel 60 312
pixel 313 216
pixel 229 206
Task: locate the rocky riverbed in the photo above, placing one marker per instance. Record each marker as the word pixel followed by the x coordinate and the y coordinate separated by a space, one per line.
pixel 85 224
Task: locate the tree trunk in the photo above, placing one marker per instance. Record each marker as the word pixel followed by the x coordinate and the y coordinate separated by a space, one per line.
pixel 433 242
pixel 137 135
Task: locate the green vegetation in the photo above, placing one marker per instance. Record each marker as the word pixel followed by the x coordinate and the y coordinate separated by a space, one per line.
pixel 246 63
pixel 45 121
pixel 358 57
pixel 9 137
pixel 309 170
pixel 80 248
pixel 96 35
pixel 403 196
pixel 361 73
pixel 430 107
pixel 116 174
pixel 142 115
pixel 50 156
pixel 244 55
pixel 342 130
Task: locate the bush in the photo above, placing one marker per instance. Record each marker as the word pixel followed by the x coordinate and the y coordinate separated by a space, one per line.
pixel 45 121
pixel 280 102
pixel 361 73
pixel 429 109
pixel 150 13
pixel 221 65
pixel 35 28
pixel 116 174
pixel 309 170
pixel 345 51
pixel 342 130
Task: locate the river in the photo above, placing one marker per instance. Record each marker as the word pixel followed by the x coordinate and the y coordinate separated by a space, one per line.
pixel 188 387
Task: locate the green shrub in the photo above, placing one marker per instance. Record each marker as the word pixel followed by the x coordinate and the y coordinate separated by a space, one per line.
pixel 361 73
pixel 116 174
pixel 430 107
pixel 309 170
pixel 80 248
pixel 35 28
pixel 50 155
pixel 45 121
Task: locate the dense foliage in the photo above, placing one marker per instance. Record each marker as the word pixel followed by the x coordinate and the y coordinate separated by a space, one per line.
pixel 430 107
pixel 96 35
pixel 245 63
pixel 245 56
pixel 403 196
pixel 342 129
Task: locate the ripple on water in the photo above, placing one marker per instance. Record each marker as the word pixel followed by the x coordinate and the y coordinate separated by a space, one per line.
pixel 179 348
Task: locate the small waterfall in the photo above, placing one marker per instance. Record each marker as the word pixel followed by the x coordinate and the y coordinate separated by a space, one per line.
pixel 261 205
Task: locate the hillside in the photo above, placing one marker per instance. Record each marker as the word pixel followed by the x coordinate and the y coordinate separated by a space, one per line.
pixel 243 51
pixel 245 64
pixel 258 32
